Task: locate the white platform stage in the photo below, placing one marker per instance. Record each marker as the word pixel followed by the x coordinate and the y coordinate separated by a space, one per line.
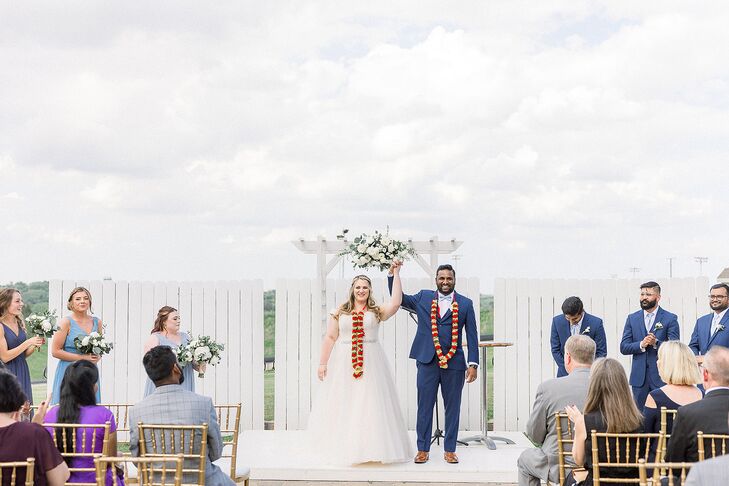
pixel 278 457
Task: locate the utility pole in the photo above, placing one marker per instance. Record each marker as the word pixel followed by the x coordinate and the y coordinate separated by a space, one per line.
pixel 634 271
pixel 670 266
pixel 701 260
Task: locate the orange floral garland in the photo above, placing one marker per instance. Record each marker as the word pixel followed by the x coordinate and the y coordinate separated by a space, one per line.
pixel 357 343
pixel 443 360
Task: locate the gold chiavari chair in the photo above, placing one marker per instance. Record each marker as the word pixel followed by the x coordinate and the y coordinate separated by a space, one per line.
pixel 229 421
pixel 171 440
pixel 663 442
pixel 718 445
pixel 121 415
pixel 673 473
pixel 621 451
pixel 151 471
pixel 11 469
pixel 89 443
pixel 565 439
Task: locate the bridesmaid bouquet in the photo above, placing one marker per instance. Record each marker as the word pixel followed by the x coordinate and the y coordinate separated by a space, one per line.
pixel 43 325
pixel 377 250
pixel 94 343
pixel 201 350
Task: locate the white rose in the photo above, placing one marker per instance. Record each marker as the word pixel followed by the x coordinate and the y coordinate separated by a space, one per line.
pixel 32 317
pixel 85 340
pixel 94 334
pixel 46 326
pixel 214 360
pixel 368 259
pixel 361 248
pixel 385 240
pixel 362 260
pixel 372 251
pixel 390 248
pixel 370 240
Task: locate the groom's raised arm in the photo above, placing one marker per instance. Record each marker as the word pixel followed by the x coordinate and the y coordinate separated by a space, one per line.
pixel 409 302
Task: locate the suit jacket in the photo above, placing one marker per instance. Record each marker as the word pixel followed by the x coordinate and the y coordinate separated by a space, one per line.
pixel 553 396
pixel 701 340
pixel 709 472
pixel 644 362
pixel 591 326
pixel 708 415
pixel 172 405
pixel 423 349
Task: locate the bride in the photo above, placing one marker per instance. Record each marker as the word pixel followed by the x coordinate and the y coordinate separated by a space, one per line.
pixel 356 416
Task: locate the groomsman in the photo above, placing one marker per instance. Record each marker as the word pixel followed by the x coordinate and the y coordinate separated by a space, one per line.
pixel 573 321
pixel 644 332
pixel 711 329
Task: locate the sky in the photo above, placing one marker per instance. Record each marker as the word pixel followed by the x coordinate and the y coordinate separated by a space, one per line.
pixel 184 140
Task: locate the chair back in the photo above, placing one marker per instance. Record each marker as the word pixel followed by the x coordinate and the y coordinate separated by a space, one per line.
pixel 615 455
pixel 664 473
pixel 14 471
pixel 150 471
pixel 229 422
pixel 121 415
pixel 191 441
pixel 712 445
pixel 565 440
pixel 665 433
pixel 86 441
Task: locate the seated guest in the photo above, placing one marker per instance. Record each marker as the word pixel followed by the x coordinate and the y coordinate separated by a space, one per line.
pixel 574 320
pixel 609 408
pixel 708 415
pixel 77 405
pixel 677 367
pixel 553 396
pixel 21 440
pixel 709 472
pixel 171 404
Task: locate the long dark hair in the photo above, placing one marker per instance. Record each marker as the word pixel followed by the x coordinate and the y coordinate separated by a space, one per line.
pixel 77 390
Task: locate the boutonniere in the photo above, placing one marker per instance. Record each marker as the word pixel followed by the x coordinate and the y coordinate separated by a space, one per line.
pixel 587 330
pixel 658 326
pixel 720 327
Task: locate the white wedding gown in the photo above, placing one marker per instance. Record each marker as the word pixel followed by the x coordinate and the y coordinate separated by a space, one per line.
pixel 353 421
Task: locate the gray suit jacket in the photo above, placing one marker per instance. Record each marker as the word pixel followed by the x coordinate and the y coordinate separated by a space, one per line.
pixel 553 396
pixel 709 473
pixel 171 405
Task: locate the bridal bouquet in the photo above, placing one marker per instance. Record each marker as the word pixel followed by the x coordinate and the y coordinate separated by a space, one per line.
pixel 43 325
pixel 377 250
pixel 94 343
pixel 201 350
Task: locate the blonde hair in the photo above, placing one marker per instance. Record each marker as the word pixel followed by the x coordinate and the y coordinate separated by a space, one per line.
pixel 581 348
pixel 75 291
pixel 677 364
pixel 348 306
pixel 609 394
pixel 6 298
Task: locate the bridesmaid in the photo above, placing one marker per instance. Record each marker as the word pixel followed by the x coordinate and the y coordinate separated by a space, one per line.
pixel 80 323
pixel 166 332
pixel 15 345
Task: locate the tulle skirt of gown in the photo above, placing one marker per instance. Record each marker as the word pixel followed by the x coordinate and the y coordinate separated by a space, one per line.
pixel 353 421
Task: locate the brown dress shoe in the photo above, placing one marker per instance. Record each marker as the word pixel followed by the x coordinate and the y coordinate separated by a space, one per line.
pixel 421 457
pixel 450 457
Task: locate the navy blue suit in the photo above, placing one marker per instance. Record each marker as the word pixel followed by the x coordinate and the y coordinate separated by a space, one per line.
pixel 644 374
pixel 561 333
pixel 430 375
pixel 701 341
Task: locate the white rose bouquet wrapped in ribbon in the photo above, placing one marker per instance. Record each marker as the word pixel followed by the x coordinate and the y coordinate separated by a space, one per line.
pixel 42 325
pixel 94 343
pixel 377 250
pixel 200 350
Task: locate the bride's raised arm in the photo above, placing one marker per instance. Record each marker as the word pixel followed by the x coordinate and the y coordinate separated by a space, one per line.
pixel 388 310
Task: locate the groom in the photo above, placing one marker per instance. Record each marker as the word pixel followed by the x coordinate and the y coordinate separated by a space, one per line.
pixel 438 354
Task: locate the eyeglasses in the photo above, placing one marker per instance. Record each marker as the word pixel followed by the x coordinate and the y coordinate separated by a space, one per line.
pixel 717 297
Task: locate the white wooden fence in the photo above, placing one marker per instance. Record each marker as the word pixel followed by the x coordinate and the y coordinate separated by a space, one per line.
pixel 523 311
pixel 299 332
pixel 230 312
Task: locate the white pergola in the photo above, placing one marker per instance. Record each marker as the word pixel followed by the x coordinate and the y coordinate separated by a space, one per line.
pixel 323 248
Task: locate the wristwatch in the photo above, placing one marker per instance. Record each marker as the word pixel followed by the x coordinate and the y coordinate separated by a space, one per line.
pixel 473 366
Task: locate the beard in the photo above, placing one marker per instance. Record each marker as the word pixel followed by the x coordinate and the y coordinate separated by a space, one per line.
pixel 718 307
pixel 647 304
pixel 445 289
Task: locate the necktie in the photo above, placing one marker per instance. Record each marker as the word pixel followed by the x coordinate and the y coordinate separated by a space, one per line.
pixel 648 322
pixel 574 329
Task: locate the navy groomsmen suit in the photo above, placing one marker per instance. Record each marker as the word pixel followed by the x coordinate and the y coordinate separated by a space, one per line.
pixel 701 338
pixel 591 326
pixel 644 373
pixel 430 375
